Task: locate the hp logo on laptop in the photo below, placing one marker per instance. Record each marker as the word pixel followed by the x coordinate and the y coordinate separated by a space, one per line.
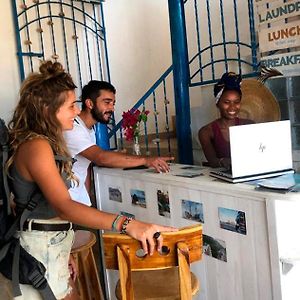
pixel 262 147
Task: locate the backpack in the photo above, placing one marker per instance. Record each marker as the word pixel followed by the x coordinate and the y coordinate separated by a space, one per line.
pixel 16 263
pixel 5 210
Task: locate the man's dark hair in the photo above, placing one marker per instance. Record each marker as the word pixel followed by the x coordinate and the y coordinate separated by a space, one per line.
pixel 93 90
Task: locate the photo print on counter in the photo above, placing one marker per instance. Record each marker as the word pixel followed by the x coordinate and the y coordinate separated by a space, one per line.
pixel 138 198
pixel 163 203
pixel 214 247
pixel 114 194
pixel 232 220
pixel 192 210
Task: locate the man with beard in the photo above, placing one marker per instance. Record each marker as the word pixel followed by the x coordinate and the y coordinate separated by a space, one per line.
pixel 98 102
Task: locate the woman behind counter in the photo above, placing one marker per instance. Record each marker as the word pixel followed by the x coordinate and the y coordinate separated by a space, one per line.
pixel 214 137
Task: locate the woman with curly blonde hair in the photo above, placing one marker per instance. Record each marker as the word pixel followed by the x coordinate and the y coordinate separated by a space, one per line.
pixel 46 108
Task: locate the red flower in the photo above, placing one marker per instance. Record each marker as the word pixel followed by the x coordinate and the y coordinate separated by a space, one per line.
pixel 131 122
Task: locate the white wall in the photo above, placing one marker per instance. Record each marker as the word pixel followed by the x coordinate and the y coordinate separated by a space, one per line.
pixel 9 75
pixel 139 46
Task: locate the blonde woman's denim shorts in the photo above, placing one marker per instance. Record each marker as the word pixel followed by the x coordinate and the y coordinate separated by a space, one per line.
pixel 52 248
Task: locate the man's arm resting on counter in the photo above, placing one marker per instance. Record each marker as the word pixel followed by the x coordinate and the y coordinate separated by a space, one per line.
pixel 122 160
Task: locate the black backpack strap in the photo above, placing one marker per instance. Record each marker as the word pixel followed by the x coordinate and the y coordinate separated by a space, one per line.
pixel 4 137
pixel 3 250
pixel 31 205
pixel 15 271
pixel 20 220
pixel 6 196
pixel 37 278
pixel 17 224
pixel 40 283
pixel 46 292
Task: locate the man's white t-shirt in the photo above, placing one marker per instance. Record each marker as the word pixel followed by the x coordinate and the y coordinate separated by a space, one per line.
pixel 78 139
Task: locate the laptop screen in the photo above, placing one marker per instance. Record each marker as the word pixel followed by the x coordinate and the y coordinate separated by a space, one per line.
pixel 260 148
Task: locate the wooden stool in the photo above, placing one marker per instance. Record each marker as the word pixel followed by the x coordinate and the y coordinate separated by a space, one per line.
pixel 87 281
pixel 165 275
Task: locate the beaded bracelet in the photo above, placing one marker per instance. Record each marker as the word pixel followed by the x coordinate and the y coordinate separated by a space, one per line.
pixel 115 222
pixel 124 225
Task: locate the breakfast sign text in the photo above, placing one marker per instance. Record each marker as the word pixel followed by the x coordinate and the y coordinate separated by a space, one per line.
pixel 279 35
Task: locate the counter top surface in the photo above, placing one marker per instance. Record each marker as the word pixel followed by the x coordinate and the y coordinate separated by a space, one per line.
pixel 204 181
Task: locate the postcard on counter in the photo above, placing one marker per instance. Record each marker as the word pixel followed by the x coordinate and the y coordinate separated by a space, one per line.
pixel 190 167
pixel 152 171
pixel 188 174
pixel 284 183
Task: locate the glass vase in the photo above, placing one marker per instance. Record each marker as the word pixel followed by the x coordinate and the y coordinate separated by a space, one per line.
pixel 136 146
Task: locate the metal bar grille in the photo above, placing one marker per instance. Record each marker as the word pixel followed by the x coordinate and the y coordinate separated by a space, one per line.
pixel 166 103
pixel 71 32
pixel 219 45
pixel 223 35
pixel 156 112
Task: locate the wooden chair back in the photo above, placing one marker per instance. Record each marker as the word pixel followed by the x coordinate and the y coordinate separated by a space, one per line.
pixel 180 249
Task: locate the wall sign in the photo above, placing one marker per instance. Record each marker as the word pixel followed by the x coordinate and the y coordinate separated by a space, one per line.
pixel 278 12
pixel 280 37
pixel 288 63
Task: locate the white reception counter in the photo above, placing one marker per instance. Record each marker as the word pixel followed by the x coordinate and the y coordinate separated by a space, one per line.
pixel 252 241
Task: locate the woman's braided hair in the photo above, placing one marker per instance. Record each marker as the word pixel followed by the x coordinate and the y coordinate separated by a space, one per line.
pixel 41 95
pixel 229 81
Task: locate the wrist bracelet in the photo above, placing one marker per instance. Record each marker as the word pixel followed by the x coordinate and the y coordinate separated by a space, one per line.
pixel 124 225
pixel 115 222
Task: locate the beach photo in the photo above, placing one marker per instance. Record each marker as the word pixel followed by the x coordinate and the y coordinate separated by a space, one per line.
pixel 192 210
pixel 233 220
pixel 138 198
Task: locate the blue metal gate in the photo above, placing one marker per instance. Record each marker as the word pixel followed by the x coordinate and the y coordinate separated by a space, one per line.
pixel 71 32
pixel 221 38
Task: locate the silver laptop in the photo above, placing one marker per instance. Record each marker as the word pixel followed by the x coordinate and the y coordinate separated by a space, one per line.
pixel 258 151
